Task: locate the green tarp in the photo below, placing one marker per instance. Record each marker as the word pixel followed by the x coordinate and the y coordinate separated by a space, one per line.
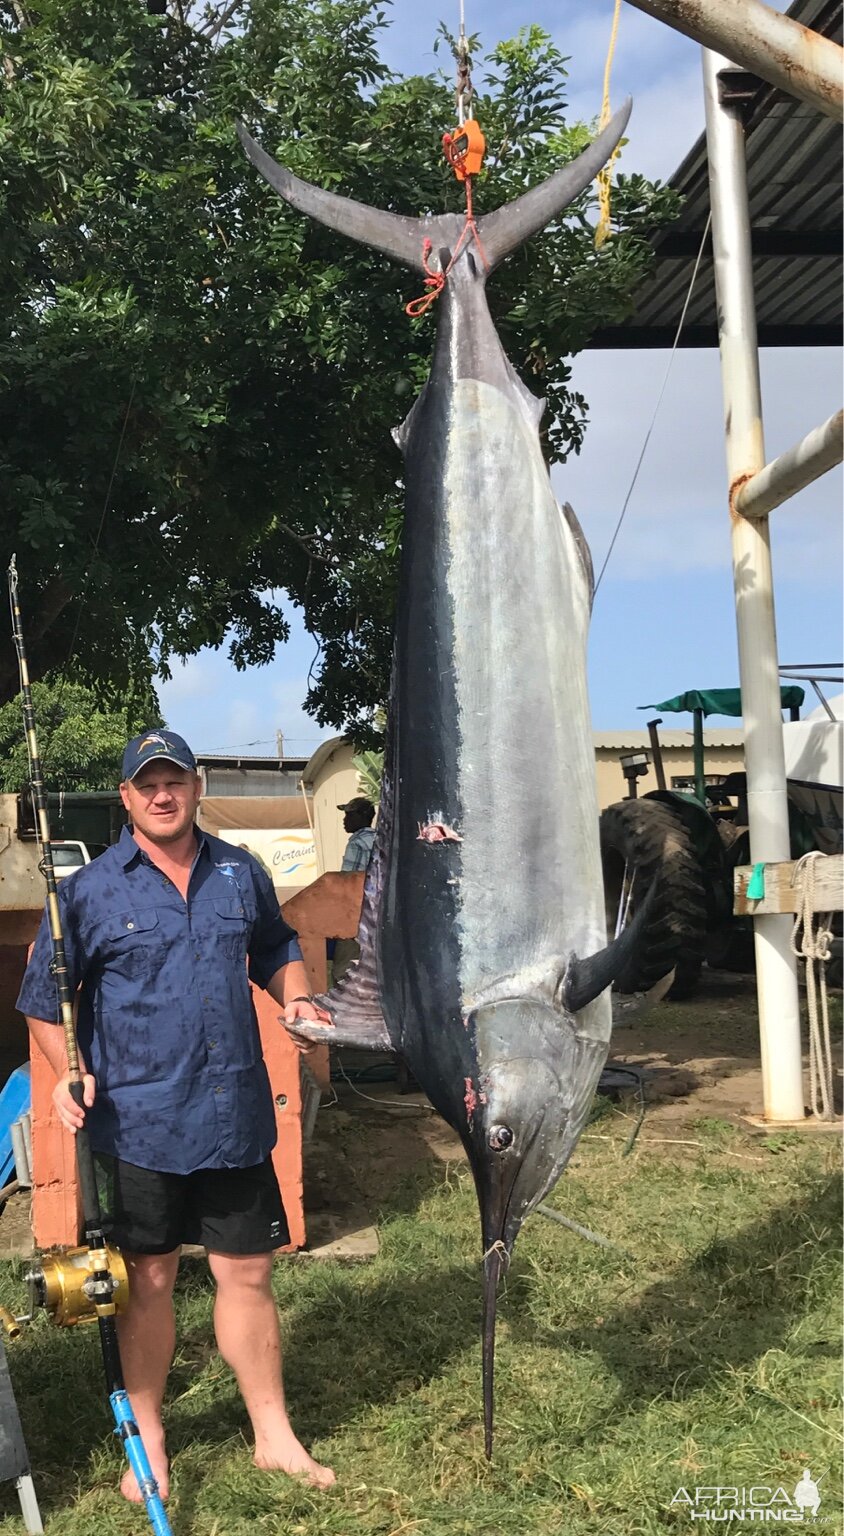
pixel 721 701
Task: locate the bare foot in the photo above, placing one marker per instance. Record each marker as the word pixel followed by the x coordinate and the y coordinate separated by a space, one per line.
pixel 286 1454
pixel 160 1471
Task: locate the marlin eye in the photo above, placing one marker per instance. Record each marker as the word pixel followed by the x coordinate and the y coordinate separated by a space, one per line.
pixel 500 1138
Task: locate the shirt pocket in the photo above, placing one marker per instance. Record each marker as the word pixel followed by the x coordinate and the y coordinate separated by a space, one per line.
pixel 134 945
pixel 233 927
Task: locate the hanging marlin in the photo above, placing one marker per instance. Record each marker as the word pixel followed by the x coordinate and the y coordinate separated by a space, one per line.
pixel 483 959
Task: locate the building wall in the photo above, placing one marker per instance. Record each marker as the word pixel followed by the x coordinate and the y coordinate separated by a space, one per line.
pixel 249 781
pixel 333 779
pixel 720 758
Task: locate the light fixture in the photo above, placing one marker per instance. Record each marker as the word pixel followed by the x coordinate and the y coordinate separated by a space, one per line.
pixel 633 765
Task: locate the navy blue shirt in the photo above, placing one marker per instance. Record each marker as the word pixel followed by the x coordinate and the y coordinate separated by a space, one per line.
pixel 166 1022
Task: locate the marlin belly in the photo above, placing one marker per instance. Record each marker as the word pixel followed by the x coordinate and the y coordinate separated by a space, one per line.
pixel 493 737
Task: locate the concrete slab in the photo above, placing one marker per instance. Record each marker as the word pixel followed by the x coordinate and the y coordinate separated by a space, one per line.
pixel 16 1240
pixel 809 1126
pixel 332 1237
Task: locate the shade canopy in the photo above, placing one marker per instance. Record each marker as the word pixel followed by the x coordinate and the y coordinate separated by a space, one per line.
pixel 721 701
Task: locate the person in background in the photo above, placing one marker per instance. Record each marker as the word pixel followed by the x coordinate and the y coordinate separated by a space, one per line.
pixel 158 933
pixel 358 817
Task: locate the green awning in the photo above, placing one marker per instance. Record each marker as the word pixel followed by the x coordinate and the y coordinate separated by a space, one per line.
pixel 722 701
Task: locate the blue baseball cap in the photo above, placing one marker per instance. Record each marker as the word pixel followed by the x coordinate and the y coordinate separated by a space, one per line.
pixel 157 746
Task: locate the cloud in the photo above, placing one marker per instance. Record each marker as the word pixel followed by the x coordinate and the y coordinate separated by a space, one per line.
pixel 191 679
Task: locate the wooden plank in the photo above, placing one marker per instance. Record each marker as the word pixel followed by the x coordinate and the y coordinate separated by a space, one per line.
pixel 782 896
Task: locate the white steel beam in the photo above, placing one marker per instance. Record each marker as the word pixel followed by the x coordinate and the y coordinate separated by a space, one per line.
pixel 819 451
pixel 771 45
pixel 776 974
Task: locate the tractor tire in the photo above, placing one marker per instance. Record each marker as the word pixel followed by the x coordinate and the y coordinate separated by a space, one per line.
pixel 650 839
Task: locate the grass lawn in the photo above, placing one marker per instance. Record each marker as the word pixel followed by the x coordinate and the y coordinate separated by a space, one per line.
pixel 707 1352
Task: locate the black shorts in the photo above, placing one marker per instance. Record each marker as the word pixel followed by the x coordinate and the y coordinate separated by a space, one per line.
pixel 228 1210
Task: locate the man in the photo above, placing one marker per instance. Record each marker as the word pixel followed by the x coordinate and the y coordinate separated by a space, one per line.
pixel 177 1098
pixel 358 818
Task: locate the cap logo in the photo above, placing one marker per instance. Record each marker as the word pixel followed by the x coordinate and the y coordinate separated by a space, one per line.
pixel 153 741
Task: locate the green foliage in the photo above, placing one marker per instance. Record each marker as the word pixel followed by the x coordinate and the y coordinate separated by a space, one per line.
pixel 196 386
pixel 370 768
pixel 81 735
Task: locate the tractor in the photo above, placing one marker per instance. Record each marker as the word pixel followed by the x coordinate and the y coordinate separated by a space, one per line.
pixel 689 843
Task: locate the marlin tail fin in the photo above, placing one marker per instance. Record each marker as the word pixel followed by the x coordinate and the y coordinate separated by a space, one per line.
pixel 510 226
pixel 402 237
pixel 391 233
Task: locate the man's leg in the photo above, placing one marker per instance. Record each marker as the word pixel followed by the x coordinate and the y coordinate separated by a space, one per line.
pixel 147 1336
pixel 246 1325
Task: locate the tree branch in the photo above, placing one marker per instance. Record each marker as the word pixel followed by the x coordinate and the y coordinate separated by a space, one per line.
pixel 218 21
pixel 303 544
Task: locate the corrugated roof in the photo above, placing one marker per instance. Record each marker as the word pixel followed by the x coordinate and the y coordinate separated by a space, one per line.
pixel 244 761
pixel 615 741
pixel 795 195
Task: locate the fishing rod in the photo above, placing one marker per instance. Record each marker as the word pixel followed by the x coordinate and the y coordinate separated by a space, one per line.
pixel 76 1285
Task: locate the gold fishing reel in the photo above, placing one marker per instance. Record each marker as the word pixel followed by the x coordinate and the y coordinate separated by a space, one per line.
pixel 78 1285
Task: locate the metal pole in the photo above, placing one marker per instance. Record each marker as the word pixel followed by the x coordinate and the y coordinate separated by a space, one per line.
pixel 799 61
pixel 776 974
pixel 700 772
pixel 656 749
pixel 819 451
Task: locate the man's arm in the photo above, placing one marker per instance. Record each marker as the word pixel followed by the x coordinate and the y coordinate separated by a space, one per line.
pixel 39 997
pixel 275 959
pixel 291 989
pixel 51 1042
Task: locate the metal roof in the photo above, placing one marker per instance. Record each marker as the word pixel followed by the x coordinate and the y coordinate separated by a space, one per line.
pixel 615 741
pixel 795 195
pixel 243 761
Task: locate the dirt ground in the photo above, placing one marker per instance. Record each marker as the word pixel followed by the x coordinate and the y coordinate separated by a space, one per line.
pixel 699 1059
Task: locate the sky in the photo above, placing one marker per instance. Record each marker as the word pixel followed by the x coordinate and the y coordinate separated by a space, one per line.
pixel 664 619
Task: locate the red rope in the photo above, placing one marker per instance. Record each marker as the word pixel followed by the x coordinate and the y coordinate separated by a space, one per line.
pixel 435 281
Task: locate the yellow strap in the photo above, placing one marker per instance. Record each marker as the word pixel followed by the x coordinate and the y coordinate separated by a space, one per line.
pixel 604 227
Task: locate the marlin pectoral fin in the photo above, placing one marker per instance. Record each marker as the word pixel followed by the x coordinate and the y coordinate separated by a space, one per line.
pixel 587 978
pixel 392 233
pixel 509 227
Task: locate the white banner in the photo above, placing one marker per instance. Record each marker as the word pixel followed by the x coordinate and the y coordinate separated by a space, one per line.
pixel 289 857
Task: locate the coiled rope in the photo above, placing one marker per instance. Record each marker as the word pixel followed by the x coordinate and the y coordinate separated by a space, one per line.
pixel 810 940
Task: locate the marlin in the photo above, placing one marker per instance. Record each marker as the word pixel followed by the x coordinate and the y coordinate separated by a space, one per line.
pixel 484 960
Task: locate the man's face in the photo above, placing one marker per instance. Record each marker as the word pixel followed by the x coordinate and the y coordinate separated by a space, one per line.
pixel 161 801
pixel 354 819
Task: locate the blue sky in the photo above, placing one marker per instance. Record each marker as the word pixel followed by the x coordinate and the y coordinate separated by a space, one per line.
pixel 663 618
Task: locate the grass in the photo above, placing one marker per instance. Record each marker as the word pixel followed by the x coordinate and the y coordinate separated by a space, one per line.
pixel 707 1353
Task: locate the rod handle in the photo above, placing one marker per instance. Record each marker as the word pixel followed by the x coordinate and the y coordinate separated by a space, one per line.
pixel 85 1168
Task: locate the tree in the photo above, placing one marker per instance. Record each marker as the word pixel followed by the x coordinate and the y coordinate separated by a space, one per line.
pixel 196 386
pixel 81 735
